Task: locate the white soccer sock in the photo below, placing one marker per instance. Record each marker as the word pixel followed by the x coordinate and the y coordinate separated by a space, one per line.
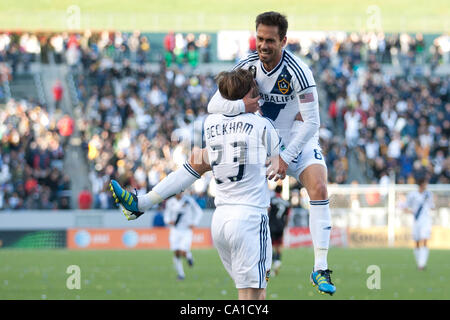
pixel 423 254
pixel 426 253
pixel 178 264
pixel 174 183
pixel 417 256
pixel 320 229
pixel 189 255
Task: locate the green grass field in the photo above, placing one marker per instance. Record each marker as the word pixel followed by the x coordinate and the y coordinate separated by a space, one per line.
pixel 148 274
pixel 430 16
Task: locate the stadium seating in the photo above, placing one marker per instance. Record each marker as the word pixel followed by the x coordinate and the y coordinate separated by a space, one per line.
pixel 132 117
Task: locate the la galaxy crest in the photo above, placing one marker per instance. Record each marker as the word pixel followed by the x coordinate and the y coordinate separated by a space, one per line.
pixel 283 85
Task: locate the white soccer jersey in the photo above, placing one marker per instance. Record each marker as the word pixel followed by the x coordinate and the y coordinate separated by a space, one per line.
pixel 420 204
pixel 238 147
pixel 284 91
pixel 183 213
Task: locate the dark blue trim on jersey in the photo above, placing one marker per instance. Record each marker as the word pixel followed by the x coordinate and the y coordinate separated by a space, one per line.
pixel 312 86
pixel 269 73
pixel 296 158
pixel 297 75
pixel 297 70
pixel 231 116
pixel 188 167
pixel 250 58
pixel 298 66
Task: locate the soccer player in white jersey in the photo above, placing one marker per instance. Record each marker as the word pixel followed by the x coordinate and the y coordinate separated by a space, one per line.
pixel 286 87
pixel 182 214
pixel 419 203
pixel 238 147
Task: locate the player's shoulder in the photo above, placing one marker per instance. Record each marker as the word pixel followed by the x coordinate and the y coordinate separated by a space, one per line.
pixel 266 121
pixel 257 119
pixel 293 59
pixel 212 117
pixel 248 60
pixel 301 71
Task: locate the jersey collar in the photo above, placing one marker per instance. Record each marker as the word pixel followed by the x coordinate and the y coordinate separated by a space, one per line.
pixel 267 73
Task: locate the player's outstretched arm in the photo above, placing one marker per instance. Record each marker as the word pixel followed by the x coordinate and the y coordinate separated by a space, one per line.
pixel 177 181
pixel 220 105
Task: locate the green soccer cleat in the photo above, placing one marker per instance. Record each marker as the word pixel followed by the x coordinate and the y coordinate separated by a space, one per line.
pixel 127 201
pixel 322 279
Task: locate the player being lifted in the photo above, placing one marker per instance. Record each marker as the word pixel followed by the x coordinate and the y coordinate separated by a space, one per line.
pixel 237 148
pixel 286 87
pixel 419 203
pixel 182 214
pixel 278 218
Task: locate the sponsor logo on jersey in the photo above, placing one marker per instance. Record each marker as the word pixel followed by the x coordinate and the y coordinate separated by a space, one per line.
pixel 280 95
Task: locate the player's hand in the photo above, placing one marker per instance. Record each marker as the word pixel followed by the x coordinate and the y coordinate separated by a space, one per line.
pixel 251 104
pixel 298 117
pixel 277 168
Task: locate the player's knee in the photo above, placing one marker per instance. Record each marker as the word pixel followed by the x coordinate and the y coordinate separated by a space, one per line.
pixel 319 191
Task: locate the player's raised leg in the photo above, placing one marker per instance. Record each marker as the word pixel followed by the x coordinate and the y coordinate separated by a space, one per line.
pixel 314 179
pixel 134 206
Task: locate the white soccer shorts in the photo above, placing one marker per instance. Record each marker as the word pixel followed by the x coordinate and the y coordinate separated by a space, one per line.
pixel 180 239
pixel 421 230
pixel 311 154
pixel 241 235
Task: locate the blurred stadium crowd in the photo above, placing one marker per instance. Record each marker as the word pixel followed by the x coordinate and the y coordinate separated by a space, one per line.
pixel 138 124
